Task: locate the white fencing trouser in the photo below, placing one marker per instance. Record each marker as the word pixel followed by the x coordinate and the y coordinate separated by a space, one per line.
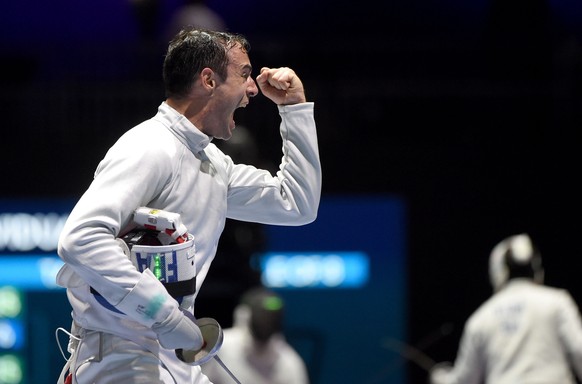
pixel 103 358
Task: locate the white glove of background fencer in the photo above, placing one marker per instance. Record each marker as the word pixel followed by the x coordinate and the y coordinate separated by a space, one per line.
pixel 439 373
pixel 178 331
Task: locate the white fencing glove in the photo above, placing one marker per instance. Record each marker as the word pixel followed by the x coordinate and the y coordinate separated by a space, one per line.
pixel 150 304
pixel 179 332
pixel 440 373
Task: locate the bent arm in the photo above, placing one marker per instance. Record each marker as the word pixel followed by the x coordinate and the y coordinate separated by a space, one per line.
pixel 467 368
pixel 292 196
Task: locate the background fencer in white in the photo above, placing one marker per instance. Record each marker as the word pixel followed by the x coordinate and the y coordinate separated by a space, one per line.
pixel 525 333
pixel 255 348
pixel 169 162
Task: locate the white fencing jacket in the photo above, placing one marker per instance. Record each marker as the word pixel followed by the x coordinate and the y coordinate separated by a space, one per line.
pixel 167 163
pixel 524 334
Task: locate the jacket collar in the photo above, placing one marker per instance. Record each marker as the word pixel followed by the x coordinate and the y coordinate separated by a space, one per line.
pixel 184 130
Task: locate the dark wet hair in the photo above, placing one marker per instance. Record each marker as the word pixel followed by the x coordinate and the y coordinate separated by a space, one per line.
pixel 192 50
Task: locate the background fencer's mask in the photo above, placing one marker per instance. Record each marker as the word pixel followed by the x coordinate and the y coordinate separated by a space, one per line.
pixel 266 313
pixel 515 256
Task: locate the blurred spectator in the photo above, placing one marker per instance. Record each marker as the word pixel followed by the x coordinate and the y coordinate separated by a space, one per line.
pixel 197 14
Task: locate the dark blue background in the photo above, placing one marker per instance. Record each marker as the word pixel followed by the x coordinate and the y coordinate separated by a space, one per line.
pixel 469 111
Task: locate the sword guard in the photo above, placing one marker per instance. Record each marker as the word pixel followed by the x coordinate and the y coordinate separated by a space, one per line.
pixel 213 337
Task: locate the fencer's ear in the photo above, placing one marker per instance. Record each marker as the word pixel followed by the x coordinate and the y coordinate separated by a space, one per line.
pixel 207 77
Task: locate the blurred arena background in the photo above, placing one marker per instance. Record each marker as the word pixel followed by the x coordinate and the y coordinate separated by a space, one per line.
pixel 444 126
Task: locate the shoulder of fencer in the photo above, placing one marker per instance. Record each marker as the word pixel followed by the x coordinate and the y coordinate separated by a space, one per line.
pixel 147 143
pixel 216 154
pixel 148 135
pixel 152 129
pixel 519 290
pixel 528 288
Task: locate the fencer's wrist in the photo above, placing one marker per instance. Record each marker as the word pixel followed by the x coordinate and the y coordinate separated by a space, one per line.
pixel 178 331
pixel 148 302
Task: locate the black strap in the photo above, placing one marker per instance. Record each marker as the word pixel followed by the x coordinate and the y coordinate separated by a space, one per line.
pixel 176 289
pixel 181 288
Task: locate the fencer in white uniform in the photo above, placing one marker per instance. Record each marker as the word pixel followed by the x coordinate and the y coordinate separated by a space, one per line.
pixel 255 348
pixel 525 333
pixel 126 325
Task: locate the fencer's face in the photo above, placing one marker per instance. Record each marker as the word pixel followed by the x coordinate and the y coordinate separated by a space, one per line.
pixel 264 324
pixel 231 93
